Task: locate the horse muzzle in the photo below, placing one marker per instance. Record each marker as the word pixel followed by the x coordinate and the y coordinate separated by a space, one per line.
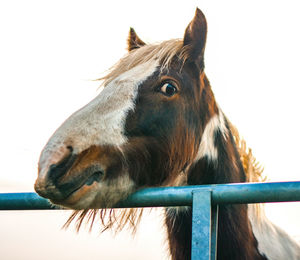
pixel 64 173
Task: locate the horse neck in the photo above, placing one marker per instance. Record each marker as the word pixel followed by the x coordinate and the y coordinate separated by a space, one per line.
pixel 235 236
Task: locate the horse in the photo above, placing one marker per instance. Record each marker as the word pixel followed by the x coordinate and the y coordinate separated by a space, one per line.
pixel 156 123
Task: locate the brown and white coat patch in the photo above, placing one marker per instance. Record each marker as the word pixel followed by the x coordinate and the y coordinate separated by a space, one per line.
pixel 134 135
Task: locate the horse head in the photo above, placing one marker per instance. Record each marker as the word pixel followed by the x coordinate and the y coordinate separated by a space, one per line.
pixel 155 117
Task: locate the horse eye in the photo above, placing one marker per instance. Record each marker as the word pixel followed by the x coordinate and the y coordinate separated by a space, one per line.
pixel 168 89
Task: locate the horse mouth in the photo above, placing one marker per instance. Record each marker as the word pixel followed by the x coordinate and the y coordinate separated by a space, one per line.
pixel 61 188
pixel 77 183
pixel 74 183
pixel 69 178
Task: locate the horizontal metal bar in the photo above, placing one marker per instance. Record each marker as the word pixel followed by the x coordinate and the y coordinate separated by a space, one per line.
pixel 240 193
pixel 23 201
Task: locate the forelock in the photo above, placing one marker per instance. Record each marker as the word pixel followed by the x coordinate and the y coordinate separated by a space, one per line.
pixel 164 53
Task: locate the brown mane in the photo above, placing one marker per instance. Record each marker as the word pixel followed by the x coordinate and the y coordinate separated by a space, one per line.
pixel 252 168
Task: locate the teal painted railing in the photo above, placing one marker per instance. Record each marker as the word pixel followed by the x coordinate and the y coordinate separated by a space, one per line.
pixel 204 199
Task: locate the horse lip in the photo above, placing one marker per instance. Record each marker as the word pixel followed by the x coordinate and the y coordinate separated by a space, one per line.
pixel 88 176
pixel 60 190
pixel 47 191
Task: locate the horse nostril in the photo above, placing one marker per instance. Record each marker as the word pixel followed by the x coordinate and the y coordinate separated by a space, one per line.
pixel 58 169
pixel 69 147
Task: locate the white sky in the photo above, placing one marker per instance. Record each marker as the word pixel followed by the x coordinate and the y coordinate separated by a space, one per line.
pixel 51 50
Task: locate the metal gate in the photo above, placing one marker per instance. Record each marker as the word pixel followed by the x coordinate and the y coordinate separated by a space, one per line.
pixel 204 200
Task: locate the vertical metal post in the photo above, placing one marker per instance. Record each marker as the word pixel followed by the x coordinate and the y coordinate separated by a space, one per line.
pixel 204 226
pixel 214 231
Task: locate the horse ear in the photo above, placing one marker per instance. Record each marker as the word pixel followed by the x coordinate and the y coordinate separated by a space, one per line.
pixel 133 41
pixel 195 38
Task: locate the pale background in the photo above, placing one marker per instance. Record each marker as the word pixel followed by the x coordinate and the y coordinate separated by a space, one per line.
pixel 51 50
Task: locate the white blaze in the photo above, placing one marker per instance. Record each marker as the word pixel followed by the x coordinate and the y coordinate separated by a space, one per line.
pixel 102 121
